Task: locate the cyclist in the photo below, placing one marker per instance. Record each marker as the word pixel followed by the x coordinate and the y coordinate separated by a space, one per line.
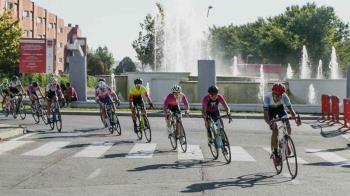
pixel 32 92
pixel 103 95
pixel 274 104
pixel 4 91
pixel 135 99
pixel 52 92
pixel 172 104
pixel 210 108
pixel 15 88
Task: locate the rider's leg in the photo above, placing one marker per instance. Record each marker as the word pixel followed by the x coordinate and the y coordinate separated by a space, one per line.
pixel 133 117
pixel 274 138
pixel 289 129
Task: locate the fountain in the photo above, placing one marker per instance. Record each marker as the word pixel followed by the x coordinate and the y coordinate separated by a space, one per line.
pixel 312 94
pixel 262 83
pixel 235 67
pixel 305 72
pixel 185 36
pixel 320 70
pixel 113 82
pixel 289 72
pixel 333 65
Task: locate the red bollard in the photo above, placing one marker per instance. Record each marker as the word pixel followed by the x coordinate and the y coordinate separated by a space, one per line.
pixel 334 111
pixel 325 108
pixel 346 106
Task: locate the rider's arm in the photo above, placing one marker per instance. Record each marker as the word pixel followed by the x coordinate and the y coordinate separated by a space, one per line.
pixel 204 107
pixel 165 104
pixel 266 116
pixel 287 103
pixel 224 103
pixel 41 93
pixel 148 97
pixel 130 97
pixel 185 102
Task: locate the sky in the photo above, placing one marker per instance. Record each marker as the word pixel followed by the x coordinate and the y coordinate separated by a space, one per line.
pixel 116 23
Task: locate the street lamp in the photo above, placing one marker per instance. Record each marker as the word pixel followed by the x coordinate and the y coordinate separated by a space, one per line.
pixel 209 8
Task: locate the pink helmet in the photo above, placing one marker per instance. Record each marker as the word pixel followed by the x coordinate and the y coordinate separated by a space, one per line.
pixel 278 88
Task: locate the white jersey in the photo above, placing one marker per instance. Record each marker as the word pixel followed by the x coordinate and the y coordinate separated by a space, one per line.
pixel 270 103
pixel 53 87
pixel 15 84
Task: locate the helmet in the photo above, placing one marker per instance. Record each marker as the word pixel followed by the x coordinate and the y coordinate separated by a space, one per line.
pixel 101 84
pixel 102 79
pixel 52 80
pixel 176 88
pixel 278 88
pixel 5 81
pixel 213 90
pixel 14 78
pixel 35 84
pixel 138 81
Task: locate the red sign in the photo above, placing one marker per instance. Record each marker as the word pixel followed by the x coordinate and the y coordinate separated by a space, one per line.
pixel 32 56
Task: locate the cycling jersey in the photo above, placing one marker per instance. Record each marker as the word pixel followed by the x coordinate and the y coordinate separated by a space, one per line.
pixel 16 84
pixel 213 105
pixel 103 92
pixel 52 90
pixel 270 103
pixel 31 89
pixel 171 102
pixel 135 93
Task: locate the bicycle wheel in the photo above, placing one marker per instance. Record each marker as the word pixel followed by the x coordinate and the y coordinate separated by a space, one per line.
pixel 139 128
pixel 112 126
pixel 118 128
pixel 278 163
pixel 226 149
pixel 147 129
pixel 44 116
pixel 182 137
pixel 214 148
pixel 172 138
pixel 36 117
pixel 291 156
pixel 58 122
pixel 22 111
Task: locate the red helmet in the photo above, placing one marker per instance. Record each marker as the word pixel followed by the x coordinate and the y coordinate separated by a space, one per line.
pixel 278 88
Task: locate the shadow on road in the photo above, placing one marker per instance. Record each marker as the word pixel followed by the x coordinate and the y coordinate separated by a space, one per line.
pixel 179 165
pixel 342 163
pixel 245 181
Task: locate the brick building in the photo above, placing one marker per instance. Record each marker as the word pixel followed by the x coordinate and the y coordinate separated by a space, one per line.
pixel 37 22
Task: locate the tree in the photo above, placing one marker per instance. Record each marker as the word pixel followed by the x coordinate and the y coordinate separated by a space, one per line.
pixel 280 39
pixel 10 34
pixel 125 65
pixel 149 44
pixel 99 61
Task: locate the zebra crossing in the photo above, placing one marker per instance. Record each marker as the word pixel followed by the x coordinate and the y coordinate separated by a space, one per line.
pixel 147 150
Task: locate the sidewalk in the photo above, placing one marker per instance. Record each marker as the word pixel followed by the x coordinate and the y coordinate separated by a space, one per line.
pixel 9 131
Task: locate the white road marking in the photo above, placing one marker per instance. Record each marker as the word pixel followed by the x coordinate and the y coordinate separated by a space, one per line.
pixel 94 150
pixel 300 160
pixel 327 156
pixel 95 173
pixel 239 154
pixel 11 145
pixel 24 136
pixel 142 151
pixel 193 152
pixel 47 149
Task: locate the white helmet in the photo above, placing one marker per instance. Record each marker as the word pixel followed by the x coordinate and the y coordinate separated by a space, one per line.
pixel 101 84
pixel 176 88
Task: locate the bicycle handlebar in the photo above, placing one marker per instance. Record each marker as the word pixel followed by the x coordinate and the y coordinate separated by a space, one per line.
pixel 296 118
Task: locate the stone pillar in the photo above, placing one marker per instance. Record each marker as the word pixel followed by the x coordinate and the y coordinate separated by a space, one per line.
pixel 206 77
pixel 348 83
pixel 78 75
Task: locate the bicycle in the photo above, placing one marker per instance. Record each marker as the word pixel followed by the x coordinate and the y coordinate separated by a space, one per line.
pixel 178 131
pixel 219 139
pixel 18 107
pixel 114 123
pixel 142 124
pixel 55 118
pixel 38 111
pixel 286 148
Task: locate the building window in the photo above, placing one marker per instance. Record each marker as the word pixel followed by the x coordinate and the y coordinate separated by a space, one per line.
pixel 27 33
pixel 61 29
pixel 51 26
pixel 9 5
pixel 61 45
pixel 60 60
pixel 26 13
pixel 39 20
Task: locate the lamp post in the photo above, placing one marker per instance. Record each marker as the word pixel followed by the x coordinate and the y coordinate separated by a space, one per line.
pixel 246 62
pixel 209 8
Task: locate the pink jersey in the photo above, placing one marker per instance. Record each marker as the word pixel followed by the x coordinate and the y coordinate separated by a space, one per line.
pixel 103 92
pixel 171 100
pixel 211 105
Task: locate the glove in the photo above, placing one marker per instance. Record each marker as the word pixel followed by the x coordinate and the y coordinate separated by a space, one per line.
pixel 229 118
pixel 117 102
pixel 187 112
pixel 271 125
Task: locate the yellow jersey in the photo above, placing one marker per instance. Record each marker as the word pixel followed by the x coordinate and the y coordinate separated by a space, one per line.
pixel 135 93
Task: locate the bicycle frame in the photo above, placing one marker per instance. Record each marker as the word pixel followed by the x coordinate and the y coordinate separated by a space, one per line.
pixel 216 128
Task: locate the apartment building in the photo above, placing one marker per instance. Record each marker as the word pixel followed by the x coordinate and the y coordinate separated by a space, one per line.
pixel 37 22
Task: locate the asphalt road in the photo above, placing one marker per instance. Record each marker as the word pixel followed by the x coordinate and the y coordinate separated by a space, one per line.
pixel 86 160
